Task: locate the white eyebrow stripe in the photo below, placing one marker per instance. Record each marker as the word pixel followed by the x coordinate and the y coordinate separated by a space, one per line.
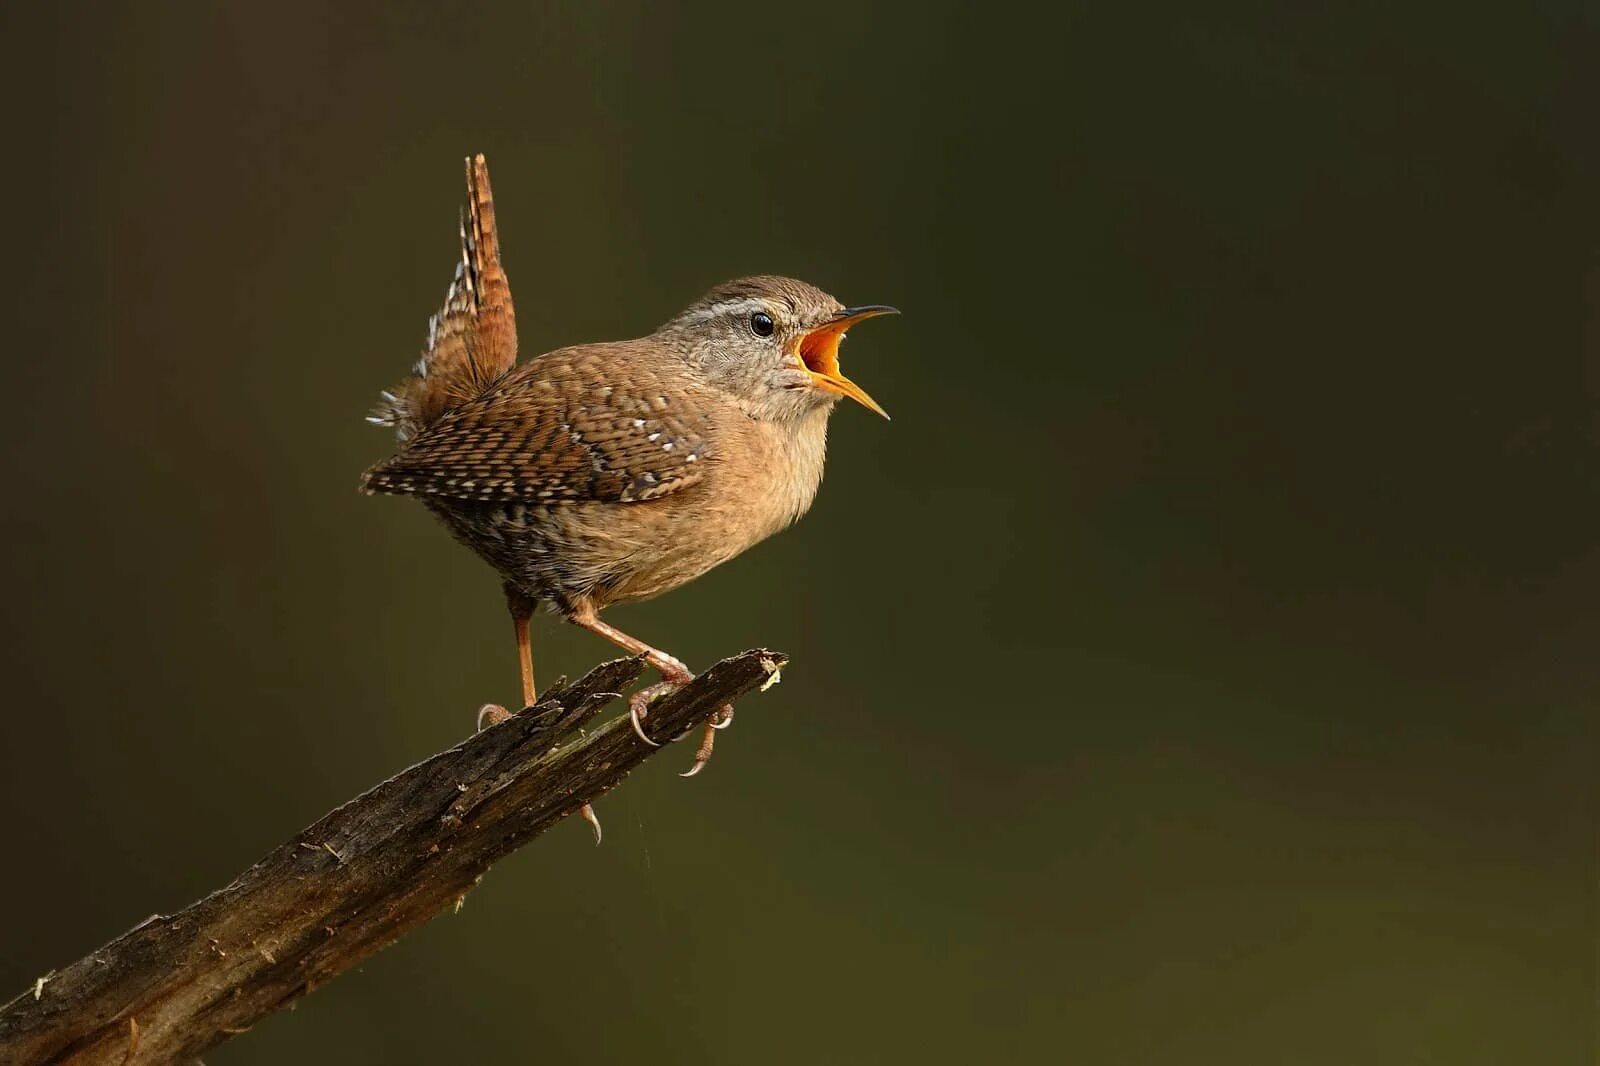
pixel 749 305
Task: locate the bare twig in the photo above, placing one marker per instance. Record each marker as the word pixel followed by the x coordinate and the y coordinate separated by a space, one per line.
pixel 355 881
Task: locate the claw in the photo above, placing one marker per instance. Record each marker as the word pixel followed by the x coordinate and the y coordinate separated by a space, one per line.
pixel 493 713
pixel 707 738
pixel 594 822
pixel 723 718
pixel 639 707
pixel 635 713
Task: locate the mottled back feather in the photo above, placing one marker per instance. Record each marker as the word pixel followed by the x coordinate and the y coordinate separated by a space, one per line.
pixel 584 423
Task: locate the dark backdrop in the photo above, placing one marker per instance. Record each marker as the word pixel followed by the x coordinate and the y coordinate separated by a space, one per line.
pixel 1200 668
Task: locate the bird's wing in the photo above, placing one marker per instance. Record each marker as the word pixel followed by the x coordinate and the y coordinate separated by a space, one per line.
pixel 552 431
pixel 472 341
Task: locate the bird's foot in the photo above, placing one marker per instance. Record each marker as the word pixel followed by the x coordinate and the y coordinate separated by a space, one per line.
pixel 676 674
pixel 491 714
pixel 673 674
pixel 721 719
pixel 639 707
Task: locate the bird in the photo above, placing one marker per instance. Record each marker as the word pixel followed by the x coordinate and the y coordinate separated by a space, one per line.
pixel 609 473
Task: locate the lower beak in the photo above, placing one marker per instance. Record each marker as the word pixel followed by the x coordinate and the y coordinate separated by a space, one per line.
pixel 819 350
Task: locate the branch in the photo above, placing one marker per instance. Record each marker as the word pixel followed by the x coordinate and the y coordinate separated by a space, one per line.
pixel 355 881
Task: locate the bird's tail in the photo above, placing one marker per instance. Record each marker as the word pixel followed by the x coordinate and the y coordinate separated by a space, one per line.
pixel 472 340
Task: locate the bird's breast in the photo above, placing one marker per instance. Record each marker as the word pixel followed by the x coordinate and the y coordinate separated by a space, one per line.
pixel 759 479
pixel 775 479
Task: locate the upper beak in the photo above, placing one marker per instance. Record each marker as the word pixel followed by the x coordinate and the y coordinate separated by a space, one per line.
pixel 819 350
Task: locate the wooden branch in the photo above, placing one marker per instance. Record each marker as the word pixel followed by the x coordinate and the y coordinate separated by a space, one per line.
pixel 355 881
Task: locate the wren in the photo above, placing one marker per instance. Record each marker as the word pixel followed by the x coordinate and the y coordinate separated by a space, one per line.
pixel 608 473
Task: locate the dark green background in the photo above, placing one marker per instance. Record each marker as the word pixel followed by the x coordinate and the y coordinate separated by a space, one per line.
pixel 1199 669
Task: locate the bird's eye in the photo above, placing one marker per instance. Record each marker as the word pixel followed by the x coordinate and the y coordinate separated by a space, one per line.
pixel 761 324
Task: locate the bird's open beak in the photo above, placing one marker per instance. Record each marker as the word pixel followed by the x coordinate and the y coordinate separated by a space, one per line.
pixel 819 350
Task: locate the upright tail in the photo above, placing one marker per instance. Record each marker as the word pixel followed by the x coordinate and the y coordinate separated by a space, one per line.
pixel 472 340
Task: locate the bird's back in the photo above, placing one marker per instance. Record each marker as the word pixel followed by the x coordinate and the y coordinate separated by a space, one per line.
pixel 615 422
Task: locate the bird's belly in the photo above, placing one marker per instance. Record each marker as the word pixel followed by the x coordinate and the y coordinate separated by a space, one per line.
pixel 635 551
pixel 605 552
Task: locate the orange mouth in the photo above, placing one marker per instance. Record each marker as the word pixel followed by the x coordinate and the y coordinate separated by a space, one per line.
pixel 819 350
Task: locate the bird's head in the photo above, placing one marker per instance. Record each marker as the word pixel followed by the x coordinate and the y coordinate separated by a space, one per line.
pixel 774 343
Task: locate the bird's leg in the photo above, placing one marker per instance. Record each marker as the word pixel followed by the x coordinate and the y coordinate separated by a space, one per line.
pixel 673 674
pixel 671 669
pixel 521 607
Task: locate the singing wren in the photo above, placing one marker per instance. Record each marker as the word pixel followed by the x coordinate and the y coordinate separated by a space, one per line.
pixel 608 473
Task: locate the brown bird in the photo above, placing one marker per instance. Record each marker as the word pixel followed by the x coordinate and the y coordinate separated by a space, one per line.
pixel 609 473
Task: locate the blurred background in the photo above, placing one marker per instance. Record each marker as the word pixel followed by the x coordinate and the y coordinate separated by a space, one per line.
pixel 1204 665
